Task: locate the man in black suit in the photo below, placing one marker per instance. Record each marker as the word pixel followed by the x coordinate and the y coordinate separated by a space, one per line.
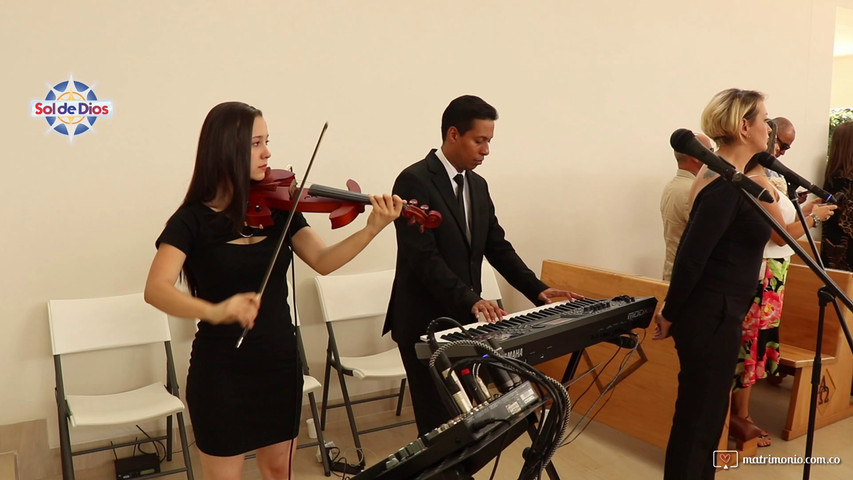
pixel 438 271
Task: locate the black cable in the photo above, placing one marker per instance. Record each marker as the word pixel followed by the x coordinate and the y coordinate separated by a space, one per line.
pixel 610 388
pixel 555 390
pixel 155 442
pixel 182 450
pixel 551 428
pixel 430 331
pixel 589 387
pixel 585 414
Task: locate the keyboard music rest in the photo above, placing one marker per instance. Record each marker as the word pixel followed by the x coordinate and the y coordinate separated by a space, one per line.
pixel 543 333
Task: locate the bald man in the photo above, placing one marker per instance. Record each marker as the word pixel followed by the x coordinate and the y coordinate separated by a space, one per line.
pixel 674 208
pixel 785 135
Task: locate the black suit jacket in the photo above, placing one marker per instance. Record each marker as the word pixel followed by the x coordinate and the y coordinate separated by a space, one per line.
pixel 438 271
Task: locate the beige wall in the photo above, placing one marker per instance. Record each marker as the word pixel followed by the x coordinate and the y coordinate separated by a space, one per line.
pixel 588 96
pixel 842 82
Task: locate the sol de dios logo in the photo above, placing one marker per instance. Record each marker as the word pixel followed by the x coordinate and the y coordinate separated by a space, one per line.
pixel 71 108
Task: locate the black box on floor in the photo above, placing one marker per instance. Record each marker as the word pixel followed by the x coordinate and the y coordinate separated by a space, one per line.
pixel 343 467
pixel 136 466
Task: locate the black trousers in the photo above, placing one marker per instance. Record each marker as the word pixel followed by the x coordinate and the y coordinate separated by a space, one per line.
pixel 707 340
pixel 428 402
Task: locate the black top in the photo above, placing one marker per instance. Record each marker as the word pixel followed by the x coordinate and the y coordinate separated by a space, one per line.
pixel 721 248
pixel 239 399
pixel 837 231
pixel 218 269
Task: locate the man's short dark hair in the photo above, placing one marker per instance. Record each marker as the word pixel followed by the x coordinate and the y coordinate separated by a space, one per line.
pixel 462 111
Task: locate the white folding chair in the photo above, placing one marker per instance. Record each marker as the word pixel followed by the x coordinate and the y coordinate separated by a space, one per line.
pixel 95 324
pixel 310 385
pixel 352 298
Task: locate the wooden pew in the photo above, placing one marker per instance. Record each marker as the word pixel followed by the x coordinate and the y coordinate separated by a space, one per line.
pixel 643 403
pixel 807 248
pixel 797 333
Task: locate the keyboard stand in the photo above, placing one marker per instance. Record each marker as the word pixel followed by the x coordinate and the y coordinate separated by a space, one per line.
pixel 531 431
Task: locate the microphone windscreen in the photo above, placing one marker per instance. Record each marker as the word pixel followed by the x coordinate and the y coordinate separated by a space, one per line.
pixel 838 198
pixel 679 139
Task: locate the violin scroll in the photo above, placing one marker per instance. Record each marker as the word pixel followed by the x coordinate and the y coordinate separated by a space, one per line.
pixel 421 214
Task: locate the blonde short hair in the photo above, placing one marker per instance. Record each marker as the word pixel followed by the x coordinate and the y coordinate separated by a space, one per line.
pixel 723 114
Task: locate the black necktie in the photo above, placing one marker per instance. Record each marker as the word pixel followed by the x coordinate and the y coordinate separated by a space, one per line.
pixel 460 201
pixel 460 192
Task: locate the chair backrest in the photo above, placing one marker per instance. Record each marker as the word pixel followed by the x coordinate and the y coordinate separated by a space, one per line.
pixel 360 295
pixel 489 280
pixel 294 316
pixel 88 324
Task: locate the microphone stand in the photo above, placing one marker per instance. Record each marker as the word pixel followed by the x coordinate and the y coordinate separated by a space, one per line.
pixel 824 297
pixel 829 292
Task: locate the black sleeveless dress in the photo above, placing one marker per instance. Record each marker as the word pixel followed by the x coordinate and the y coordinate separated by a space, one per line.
pixel 239 399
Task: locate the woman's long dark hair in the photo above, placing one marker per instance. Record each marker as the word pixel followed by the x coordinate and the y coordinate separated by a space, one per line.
pixel 223 159
pixel 840 163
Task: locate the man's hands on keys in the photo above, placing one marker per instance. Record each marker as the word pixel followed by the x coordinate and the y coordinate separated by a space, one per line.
pixel 551 293
pixel 488 311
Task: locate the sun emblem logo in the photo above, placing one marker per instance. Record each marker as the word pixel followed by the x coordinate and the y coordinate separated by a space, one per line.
pixel 71 108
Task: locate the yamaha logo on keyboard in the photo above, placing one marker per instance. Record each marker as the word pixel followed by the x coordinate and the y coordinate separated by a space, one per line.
pixel 516 353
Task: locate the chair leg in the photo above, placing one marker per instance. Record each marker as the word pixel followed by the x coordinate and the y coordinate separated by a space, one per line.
pixel 185 447
pixel 326 379
pixel 401 396
pixel 322 443
pixel 350 414
pixel 62 414
pixel 65 449
pixel 169 438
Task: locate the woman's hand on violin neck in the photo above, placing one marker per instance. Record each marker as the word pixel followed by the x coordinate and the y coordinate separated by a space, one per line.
pixel 386 209
pixel 241 308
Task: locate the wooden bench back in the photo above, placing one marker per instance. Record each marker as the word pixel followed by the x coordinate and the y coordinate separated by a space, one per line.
pixel 800 310
pixel 598 283
pixel 807 248
pixel 643 404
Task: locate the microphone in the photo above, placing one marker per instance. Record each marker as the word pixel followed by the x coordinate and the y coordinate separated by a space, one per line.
pixel 451 381
pixel 769 161
pixel 684 141
pixel 472 387
pixel 504 381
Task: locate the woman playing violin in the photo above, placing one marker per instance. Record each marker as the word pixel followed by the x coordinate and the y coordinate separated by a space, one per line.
pixel 248 398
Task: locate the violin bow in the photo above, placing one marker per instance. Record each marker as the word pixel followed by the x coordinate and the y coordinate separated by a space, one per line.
pixel 284 231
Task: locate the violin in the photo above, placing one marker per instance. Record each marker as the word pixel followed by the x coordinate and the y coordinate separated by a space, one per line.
pixel 273 192
pixel 344 205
